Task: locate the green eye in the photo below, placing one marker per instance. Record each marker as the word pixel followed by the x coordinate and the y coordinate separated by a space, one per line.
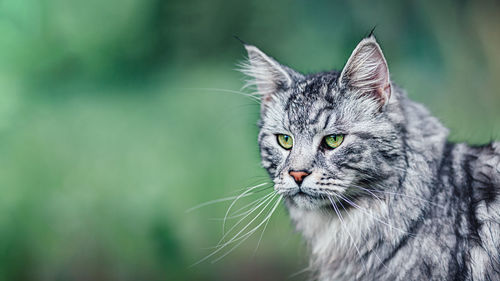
pixel 285 141
pixel 334 141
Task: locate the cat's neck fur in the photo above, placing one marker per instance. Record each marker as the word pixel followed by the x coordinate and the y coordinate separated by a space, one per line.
pixel 337 244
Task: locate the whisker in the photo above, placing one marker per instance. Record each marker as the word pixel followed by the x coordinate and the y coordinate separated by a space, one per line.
pixel 263 230
pixel 211 202
pixel 249 233
pixel 308 268
pixel 237 214
pixel 409 196
pixel 367 190
pixel 232 249
pixel 345 228
pixel 249 204
pixel 266 201
pixel 371 215
pixel 236 238
pixel 349 214
pixel 263 188
pixel 236 200
pixel 383 191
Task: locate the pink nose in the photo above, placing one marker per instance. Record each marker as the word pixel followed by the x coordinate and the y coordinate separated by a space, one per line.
pixel 298 176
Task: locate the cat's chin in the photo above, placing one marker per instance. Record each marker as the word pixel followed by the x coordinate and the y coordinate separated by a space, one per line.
pixel 306 201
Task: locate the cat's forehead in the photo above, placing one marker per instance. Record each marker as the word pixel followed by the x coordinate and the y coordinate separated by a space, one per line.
pixel 312 106
pixel 311 102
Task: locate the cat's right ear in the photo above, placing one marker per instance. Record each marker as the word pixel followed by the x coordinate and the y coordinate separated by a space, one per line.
pixel 266 74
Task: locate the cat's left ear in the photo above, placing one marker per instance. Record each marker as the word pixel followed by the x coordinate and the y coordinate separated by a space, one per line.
pixel 366 71
pixel 267 74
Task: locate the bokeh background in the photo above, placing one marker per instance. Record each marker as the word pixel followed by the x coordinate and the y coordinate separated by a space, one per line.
pixel 118 116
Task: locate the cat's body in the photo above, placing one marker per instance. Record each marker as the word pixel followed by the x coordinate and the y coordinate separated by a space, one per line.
pixel 456 237
pixel 395 200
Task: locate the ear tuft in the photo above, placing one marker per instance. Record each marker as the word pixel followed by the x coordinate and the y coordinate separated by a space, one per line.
pixel 367 72
pixel 265 73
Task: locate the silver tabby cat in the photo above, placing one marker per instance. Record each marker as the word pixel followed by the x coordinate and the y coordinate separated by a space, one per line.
pixel 369 177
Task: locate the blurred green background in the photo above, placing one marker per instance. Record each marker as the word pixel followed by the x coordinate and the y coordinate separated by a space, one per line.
pixel 116 117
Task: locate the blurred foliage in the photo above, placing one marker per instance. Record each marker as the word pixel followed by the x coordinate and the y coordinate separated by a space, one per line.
pixel 115 119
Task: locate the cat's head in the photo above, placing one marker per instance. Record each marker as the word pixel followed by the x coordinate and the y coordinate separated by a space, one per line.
pixel 327 134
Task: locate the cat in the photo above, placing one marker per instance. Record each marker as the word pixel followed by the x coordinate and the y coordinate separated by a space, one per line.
pixel 369 178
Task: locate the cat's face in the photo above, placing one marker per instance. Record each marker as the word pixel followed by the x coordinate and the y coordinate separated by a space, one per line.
pixel 326 135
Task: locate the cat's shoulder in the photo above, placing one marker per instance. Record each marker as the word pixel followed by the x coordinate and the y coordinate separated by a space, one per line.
pixel 476 171
pixel 483 171
pixel 486 164
pixel 485 179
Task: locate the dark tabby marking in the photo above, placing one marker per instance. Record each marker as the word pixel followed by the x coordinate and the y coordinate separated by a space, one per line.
pixel 396 200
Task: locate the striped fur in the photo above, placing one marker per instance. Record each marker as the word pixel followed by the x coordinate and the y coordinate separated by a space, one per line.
pixel 396 200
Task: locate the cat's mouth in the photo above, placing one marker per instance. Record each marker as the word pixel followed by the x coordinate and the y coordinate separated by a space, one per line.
pixel 302 194
pixel 311 199
pixel 304 199
pixel 297 192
